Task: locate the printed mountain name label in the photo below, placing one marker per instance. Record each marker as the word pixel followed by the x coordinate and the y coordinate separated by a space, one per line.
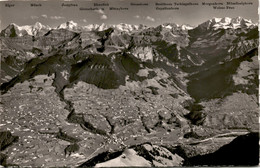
pixel 69 5
pixel 101 4
pixel 139 4
pixel 223 7
pixel 36 5
pixel 117 8
pixel 9 5
pixel 212 3
pixel 170 4
pixel 239 3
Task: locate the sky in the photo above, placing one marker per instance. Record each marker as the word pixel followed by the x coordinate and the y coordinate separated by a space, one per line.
pixel 53 14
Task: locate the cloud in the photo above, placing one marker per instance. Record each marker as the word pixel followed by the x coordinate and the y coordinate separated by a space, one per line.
pixel 150 18
pixel 84 20
pixel 44 16
pixel 100 11
pixel 34 17
pixel 137 16
pixel 102 14
pixel 104 17
pixel 57 17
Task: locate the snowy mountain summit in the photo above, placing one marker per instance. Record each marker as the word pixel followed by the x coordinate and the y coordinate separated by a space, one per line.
pixel 70 25
pixel 14 30
pixel 227 22
pixel 174 26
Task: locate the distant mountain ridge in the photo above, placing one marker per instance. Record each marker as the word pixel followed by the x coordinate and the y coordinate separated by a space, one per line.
pixel 227 22
pixel 13 30
pixel 182 47
pixel 33 30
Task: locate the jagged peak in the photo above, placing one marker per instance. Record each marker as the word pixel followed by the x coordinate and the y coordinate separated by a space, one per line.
pixel 121 27
pixel 176 26
pixel 227 22
pixel 68 25
pixel 38 25
pixel 215 20
pixel 186 27
pixel 171 24
pixel 12 24
pixel 238 19
pixel 27 29
pixel 71 22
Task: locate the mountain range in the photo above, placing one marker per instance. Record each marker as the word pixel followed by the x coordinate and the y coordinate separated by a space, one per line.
pixel 39 29
pixel 168 95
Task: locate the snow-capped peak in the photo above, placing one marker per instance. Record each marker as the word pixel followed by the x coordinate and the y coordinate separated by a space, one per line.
pixel 102 27
pixel 215 20
pixel 38 25
pixel 90 27
pixel 237 19
pixel 227 22
pixel 27 29
pixel 186 27
pixel 123 27
pixel 13 24
pixel 170 25
pixel 177 26
pixel 68 25
pixel 127 27
pixel 71 25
